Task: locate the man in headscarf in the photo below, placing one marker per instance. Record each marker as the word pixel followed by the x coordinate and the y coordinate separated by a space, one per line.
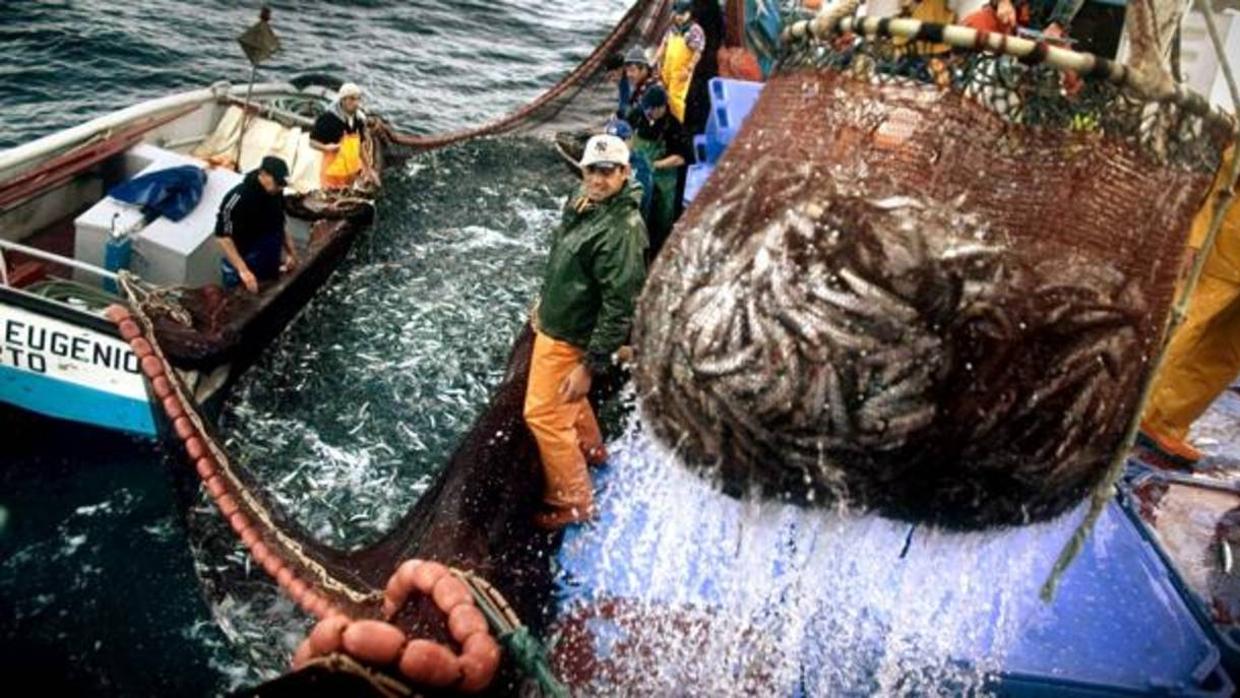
pixel 678 56
pixel 338 134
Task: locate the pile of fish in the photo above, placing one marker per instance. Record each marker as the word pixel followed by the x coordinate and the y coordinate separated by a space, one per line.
pixel 886 351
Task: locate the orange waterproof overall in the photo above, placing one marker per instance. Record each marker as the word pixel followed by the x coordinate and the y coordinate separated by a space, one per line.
pixel 1203 357
pixel 342 167
pixel 564 431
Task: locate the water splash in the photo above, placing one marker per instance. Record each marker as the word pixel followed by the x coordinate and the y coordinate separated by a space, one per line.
pixel 679 585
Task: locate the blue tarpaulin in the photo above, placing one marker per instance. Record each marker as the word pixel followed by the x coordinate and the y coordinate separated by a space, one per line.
pixel 172 193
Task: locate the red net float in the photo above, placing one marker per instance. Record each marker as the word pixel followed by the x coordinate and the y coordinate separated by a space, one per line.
pixel 184 428
pixel 162 388
pixel 374 641
pixel 205 468
pixel 327 636
pixel 172 405
pixel 152 367
pixel 430 663
pixel 215 487
pixel 129 330
pixel 228 505
pixel 141 348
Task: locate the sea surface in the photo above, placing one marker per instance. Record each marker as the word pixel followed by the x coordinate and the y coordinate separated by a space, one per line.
pixel 106 585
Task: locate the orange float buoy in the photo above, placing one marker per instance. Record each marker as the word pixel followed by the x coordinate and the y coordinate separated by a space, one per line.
pixel 152 367
pixel 215 487
pixel 426 575
pixel 464 621
pixel 184 428
pixel 430 663
pixel 239 522
pixel 284 577
pixel 260 552
pixel 483 652
pixel 374 641
pixel 172 405
pixel 450 592
pixel 228 505
pixel 250 537
pixel 327 635
pixel 161 386
pixel 273 566
pixel 478 668
pixel 116 313
pixel 303 654
pixel 296 590
pixel 141 348
pixel 195 447
pixel 129 330
pixel 205 468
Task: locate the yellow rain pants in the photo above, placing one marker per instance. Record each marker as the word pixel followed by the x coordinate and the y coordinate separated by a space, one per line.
pixel 342 166
pixel 564 431
pixel 678 60
pixel 1203 357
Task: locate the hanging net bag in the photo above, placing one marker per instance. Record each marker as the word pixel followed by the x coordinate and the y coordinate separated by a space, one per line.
pixel 925 280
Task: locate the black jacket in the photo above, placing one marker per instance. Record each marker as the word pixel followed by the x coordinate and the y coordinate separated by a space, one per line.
pixel 249 215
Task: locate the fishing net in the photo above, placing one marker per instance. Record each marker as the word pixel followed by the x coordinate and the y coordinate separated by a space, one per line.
pixel 928 285
pixel 582 98
pixel 477 513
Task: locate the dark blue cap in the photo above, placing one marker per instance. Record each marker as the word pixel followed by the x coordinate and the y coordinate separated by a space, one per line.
pixel 275 167
pixel 654 98
pixel 619 128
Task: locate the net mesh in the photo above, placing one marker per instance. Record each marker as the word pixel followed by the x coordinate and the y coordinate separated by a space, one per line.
pixel 928 285
pixel 1009 256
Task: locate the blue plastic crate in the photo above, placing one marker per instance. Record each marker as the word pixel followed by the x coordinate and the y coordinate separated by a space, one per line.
pixel 1117 626
pixel 695 178
pixel 730 103
pixel 1227 639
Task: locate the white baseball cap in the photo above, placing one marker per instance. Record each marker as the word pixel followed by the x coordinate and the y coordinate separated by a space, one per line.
pixel 350 90
pixel 604 149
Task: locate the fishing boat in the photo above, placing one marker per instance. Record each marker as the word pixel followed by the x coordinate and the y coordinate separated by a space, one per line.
pixel 65 245
pixel 682 587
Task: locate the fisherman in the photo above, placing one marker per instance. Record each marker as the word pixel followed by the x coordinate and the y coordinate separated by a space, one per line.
pixel 663 140
pixel 1203 357
pixel 250 228
pixel 639 164
pixel 678 55
pixel 595 270
pixel 338 133
pixel 639 76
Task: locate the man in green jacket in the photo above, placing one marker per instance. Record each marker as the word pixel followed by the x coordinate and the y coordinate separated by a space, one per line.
pixel 595 270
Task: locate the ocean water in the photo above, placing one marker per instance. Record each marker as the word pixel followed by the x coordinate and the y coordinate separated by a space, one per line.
pixel 106 586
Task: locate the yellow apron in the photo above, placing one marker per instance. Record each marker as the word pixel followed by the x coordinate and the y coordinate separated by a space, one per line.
pixel 1203 357
pixel 677 59
pixel 342 166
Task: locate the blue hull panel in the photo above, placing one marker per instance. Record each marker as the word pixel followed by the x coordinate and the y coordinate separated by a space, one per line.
pixel 64 400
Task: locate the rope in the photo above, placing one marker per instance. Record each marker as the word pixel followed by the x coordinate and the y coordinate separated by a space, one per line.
pixel 528 652
pixel 383 684
pixel 1102 494
pixel 639 16
pixel 139 297
pixel 1087 64
pixel 161 298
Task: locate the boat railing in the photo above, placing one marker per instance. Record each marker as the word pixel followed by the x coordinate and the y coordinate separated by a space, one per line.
pixel 9 246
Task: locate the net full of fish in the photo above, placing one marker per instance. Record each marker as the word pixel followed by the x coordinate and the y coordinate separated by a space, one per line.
pixel 887 351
